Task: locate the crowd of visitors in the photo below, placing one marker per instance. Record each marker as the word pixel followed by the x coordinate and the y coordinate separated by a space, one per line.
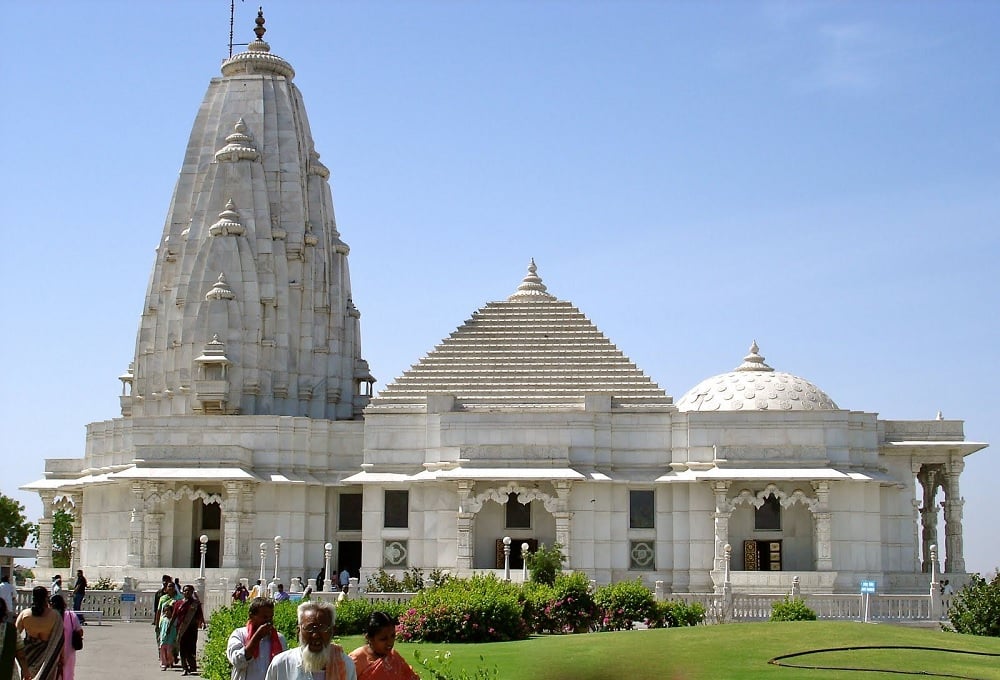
pixel 43 640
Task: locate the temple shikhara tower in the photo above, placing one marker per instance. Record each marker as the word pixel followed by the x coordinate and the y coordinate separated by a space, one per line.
pixel 248 413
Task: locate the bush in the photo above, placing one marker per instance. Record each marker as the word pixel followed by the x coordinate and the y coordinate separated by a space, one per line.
pixel 214 664
pixel 975 609
pixel 353 615
pixel 792 609
pixel 103 583
pixel 545 563
pixel 676 613
pixel 384 582
pixel 565 607
pixel 480 609
pixel 623 603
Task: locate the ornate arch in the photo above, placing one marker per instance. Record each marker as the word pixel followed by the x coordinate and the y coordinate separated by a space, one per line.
pixel 785 499
pixel 65 503
pixel 501 495
pixel 183 492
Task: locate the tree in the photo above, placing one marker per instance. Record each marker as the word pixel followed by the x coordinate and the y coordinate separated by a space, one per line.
pixel 14 526
pixel 975 609
pixel 545 563
pixel 62 537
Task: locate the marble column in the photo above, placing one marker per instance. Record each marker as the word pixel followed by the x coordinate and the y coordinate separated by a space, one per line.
pixel 954 562
pixel 723 511
pixel 44 545
pixel 151 539
pixel 822 537
pixel 231 507
pixel 466 526
pixel 136 522
pixel 929 482
pixel 563 518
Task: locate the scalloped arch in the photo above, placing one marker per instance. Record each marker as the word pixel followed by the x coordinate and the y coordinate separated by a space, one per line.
pixel 501 495
pixel 183 492
pixel 787 500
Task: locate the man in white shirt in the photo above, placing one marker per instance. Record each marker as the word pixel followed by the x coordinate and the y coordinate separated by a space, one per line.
pixel 315 658
pixel 251 648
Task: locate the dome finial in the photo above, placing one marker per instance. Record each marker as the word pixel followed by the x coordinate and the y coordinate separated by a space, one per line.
pixel 259 29
pixel 753 361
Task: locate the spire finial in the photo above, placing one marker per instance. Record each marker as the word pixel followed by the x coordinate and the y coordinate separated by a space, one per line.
pixel 531 285
pixel 753 361
pixel 259 29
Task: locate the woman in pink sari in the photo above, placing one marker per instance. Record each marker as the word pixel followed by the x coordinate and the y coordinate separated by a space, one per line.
pixel 70 623
pixel 377 660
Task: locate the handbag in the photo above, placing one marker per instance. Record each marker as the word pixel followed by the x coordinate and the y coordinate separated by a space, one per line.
pixel 77 639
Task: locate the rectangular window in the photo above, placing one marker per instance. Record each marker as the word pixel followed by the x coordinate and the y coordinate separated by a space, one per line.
pixel 641 514
pixel 397 509
pixel 518 514
pixel 768 516
pixel 350 512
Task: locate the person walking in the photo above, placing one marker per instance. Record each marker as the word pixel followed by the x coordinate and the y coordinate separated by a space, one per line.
pixel 79 590
pixel 7 595
pixel 71 629
pixel 188 618
pixel 377 660
pixel 251 648
pixel 11 647
pixel 316 656
pixel 42 628
pixel 56 584
pixel 168 636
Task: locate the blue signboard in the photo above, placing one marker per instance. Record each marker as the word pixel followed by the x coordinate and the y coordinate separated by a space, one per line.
pixel 868 586
pixel 128 597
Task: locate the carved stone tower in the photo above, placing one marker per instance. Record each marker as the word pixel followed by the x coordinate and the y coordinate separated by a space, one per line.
pixel 249 306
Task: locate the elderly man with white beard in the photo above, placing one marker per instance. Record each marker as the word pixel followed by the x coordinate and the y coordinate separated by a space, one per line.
pixel 315 658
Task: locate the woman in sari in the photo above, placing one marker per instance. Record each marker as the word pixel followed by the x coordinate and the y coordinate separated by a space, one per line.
pixel 188 618
pixel 11 647
pixel 377 660
pixel 42 628
pixel 71 623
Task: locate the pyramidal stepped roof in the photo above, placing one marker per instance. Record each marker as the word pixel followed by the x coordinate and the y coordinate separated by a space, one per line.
pixel 530 350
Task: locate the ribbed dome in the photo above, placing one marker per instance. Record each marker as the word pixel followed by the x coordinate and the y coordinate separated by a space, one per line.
pixel 755 386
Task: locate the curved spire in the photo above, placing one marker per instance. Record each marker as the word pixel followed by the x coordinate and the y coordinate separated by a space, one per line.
pixel 753 361
pixel 531 286
pixel 258 57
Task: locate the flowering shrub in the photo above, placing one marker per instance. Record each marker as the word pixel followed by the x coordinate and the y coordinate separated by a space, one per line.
pixel 480 609
pixel 623 603
pixel 565 607
pixel 103 583
pixel 675 613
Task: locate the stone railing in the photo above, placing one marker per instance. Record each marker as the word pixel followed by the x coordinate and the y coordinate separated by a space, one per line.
pixel 757 607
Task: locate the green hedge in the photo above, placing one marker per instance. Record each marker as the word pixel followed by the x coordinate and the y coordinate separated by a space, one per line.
pixel 224 621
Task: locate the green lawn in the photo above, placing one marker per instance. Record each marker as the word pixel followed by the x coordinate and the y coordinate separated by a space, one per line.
pixel 724 652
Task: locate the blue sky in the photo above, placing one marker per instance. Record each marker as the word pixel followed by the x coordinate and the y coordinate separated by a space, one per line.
pixel 821 176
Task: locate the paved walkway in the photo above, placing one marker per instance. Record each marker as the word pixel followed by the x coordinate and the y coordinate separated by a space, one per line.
pixel 123 650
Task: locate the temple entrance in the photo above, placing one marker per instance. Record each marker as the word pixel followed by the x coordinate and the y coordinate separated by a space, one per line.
pixel 349 558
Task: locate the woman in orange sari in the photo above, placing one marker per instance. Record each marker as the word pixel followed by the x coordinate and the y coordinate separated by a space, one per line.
pixel 377 660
